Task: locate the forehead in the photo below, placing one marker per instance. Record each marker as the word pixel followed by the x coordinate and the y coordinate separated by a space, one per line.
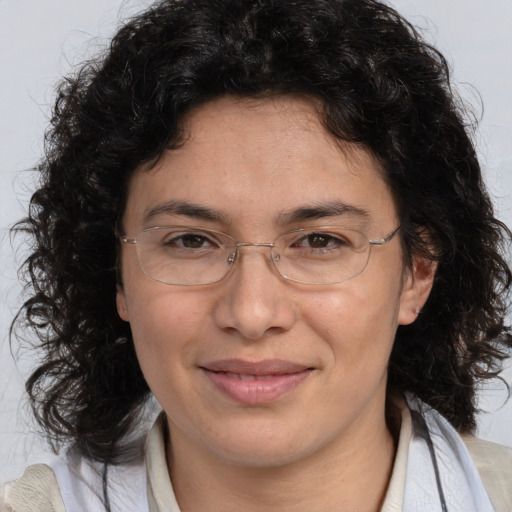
pixel 254 161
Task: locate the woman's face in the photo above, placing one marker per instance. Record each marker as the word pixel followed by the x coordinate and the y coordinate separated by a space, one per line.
pixel 319 352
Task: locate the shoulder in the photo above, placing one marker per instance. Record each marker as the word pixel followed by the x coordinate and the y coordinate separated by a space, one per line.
pixel 36 491
pixel 77 483
pixel 494 463
pixel 489 456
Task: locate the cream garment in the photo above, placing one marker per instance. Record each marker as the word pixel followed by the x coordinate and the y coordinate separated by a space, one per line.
pixel 144 486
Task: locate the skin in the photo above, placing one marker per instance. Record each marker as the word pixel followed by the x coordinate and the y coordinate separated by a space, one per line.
pixel 325 444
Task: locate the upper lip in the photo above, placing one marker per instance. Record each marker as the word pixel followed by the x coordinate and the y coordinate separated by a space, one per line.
pixel 265 367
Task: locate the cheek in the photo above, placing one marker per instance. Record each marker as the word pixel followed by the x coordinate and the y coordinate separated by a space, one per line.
pixel 160 320
pixel 358 322
pixel 156 312
pixel 166 332
pixel 165 322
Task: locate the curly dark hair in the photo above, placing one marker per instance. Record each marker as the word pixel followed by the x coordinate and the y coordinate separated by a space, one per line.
pixel 376 84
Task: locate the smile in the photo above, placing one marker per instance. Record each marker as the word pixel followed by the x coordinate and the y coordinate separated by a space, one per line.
pixel 255 383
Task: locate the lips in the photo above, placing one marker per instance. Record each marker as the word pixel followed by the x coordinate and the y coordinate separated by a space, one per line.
pixel 248 377
pixel 254 383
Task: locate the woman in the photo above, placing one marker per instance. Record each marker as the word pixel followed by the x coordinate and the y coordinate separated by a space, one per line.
pixel 269 216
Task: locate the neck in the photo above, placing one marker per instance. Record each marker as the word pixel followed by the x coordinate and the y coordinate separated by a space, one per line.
pixel 348 474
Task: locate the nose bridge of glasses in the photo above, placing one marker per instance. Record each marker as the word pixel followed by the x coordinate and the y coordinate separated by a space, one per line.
pixel 255 244
pixel 238 245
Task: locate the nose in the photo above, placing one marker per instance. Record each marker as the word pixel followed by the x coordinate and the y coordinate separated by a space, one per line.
pixel 255 299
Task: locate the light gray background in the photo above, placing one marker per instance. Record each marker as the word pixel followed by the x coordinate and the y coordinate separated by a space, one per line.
pixel 42 40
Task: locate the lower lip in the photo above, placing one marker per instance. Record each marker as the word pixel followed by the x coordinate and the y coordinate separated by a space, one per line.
pixel 255 392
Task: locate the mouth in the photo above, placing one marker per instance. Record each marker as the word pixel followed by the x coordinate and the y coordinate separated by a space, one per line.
pixel 254 383
pixel 247 377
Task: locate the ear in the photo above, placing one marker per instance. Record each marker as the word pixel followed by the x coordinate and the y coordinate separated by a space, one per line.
pixel 417 285
pixel 122 308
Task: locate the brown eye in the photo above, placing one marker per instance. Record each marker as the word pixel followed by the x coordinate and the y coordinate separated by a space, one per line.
pixel 193 241
pixel 318 240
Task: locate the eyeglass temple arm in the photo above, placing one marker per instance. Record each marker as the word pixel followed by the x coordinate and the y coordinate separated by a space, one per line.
pixel 124 239
pixel 132 241
pixel 387 238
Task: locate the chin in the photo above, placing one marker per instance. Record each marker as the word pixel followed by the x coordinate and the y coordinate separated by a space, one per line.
pixel 262 447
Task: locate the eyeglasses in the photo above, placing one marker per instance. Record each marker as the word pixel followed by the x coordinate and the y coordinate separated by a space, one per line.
pixel 188 256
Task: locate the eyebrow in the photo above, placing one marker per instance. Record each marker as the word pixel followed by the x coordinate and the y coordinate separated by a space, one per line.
pixel 187 209
pixel 320 211
pixel 300 214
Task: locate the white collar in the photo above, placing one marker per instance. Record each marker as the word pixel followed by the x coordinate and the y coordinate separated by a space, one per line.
pixel 441 474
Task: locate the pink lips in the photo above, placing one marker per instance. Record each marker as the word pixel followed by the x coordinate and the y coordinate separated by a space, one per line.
pixel 254 383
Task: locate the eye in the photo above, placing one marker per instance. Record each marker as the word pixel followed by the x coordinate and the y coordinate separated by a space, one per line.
pixel 320 241
pixel 191 240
